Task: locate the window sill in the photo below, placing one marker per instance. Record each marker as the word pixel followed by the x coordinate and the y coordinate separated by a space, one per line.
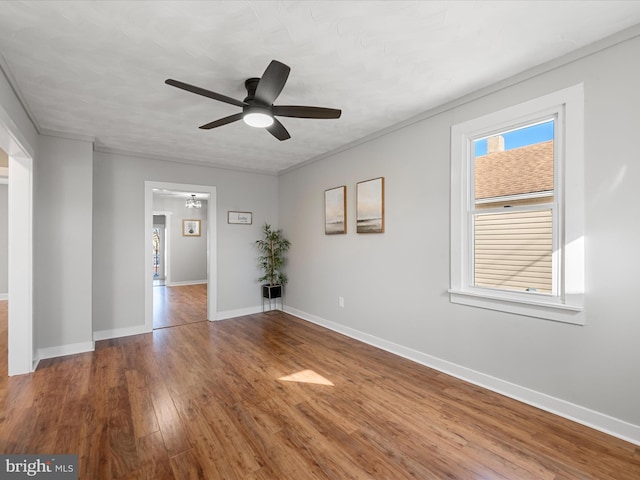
pixel 569 312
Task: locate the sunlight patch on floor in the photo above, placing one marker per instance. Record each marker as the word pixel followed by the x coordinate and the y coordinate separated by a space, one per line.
pixel 306 376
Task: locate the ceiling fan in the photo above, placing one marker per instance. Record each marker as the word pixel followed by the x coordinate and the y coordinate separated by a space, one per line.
pixel 258 109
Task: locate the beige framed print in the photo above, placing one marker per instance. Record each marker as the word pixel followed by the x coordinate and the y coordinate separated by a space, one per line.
pixel 370 206
pixel 190 228
pixel 242 218
pixel 335 211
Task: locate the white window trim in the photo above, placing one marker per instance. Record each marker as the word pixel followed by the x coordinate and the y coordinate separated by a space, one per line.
pixel 513 198
pixel 568 304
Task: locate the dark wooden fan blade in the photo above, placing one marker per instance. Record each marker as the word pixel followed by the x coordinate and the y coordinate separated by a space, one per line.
pixel 222 121
pixel 204 92
pixel 306 112
pixel 277 130
pixel 272 82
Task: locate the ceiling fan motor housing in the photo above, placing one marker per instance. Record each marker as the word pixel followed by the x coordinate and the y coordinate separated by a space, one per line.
pixel 255 113
pixel 251 84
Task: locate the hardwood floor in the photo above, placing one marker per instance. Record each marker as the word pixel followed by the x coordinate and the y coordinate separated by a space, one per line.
pixel 179 305
pixel 274 397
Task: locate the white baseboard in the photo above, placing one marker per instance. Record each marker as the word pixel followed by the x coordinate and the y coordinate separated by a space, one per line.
pixel 187 282
pixel 140 329
pixel 62 350
pixel 35 360
pixel 585 416
pixel 240 312
pixel 120 332
pixel 4 296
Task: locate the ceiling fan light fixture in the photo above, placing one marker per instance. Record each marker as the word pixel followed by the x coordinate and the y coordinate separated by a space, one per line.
pixel 257 117
pixel 258 109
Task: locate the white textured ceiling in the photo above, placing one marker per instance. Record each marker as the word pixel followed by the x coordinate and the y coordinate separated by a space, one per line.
pixel 97 69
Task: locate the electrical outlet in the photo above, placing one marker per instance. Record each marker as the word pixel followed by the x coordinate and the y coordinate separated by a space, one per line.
pixel 341 302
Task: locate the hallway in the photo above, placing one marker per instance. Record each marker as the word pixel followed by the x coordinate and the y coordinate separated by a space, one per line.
pixel 179 305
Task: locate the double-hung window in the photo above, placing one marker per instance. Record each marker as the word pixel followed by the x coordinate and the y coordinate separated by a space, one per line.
pixel 517 203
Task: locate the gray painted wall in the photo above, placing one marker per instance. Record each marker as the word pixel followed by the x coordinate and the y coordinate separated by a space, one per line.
pixel 395 284
pixel 118 240
pixel 62 249
pixel 4 246
pixel 188 255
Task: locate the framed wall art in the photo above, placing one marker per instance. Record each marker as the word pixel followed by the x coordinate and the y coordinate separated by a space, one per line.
pixel 242 218
pixel 370 206
pixel 335 211
pixel 190 228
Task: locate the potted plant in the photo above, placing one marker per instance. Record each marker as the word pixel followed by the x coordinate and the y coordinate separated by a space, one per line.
pixel 272 247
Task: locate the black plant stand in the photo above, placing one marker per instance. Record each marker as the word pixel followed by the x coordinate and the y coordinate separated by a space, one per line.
pixel 273 292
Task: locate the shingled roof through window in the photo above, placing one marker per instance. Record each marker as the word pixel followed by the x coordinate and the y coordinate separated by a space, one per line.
pixel 514 172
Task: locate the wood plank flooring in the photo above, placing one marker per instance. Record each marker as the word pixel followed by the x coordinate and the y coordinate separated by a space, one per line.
pixel 271 397
pixel 179 305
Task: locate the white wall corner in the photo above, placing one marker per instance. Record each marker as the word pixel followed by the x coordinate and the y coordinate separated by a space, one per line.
pixel 63 350
pixel 35 360
pixel 240 312
pixel 120 332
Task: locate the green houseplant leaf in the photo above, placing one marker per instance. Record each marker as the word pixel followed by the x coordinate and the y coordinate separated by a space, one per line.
pixel 272 247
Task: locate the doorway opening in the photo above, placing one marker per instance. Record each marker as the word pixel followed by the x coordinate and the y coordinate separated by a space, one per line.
pixel 179 258
pixel 4 258
pixel 158 249
pixel 180 280
pixel 19 175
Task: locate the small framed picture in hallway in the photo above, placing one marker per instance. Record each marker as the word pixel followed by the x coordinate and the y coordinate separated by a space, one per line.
pixel 243 218
pixel 190 228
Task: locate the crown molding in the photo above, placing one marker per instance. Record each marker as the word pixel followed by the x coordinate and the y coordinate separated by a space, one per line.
pixel 68 135
pixel 583 52
pixel 187 161
pixel 530 73
pixel 6 71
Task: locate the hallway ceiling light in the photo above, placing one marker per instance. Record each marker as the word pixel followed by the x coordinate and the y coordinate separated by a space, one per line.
pixel 193 203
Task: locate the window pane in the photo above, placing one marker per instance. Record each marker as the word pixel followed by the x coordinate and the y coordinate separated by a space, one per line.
pixel 513 251
pixel 515 163
pixel 514 170
pixel 489 191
